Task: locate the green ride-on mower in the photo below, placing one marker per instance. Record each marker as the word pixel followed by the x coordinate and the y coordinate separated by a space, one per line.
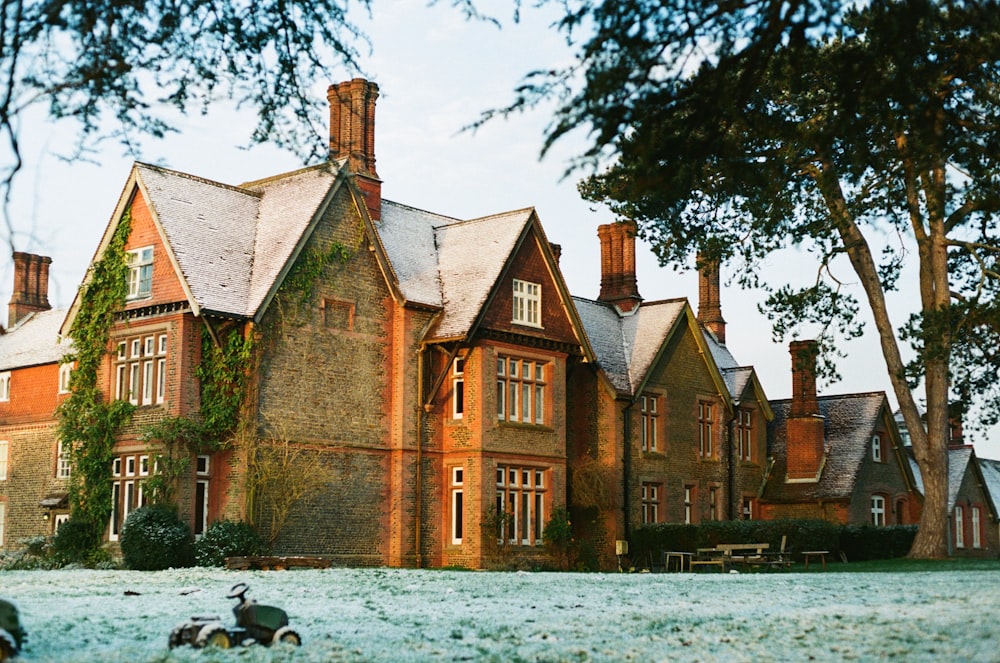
pixel 255 624
pixel 12 634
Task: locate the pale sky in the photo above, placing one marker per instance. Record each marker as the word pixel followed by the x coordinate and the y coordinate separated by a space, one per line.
pixel 436 73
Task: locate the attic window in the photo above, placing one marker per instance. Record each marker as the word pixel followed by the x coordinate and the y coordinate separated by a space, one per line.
pixel 876 448
pixel 527 303
pixel 140 273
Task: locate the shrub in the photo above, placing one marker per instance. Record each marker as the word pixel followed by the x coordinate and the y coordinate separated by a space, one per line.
pixel 558 537
pixel 864 542
pixel 227 538
pixel 74 542
pixel 153 538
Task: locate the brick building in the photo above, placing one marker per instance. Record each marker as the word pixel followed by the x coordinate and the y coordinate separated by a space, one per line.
pixel 424 390
pixel 837 458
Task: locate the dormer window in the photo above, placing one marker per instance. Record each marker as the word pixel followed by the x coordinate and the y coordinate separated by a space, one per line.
pixel 876 448
pixel 140 273
pixel 527 303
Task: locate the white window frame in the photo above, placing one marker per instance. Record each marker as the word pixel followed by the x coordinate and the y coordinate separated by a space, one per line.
pixel 140 273
pixel 706 421
pixel 527 303
pixel 977 538
pixel 457 528
pixel 147 382
pixel 744 435
pixel 689 505
pixel 521 389
pixel 64 463
pixel 521 494
pixel 877 448
pixel 161 379
pixel 959 518
pixel 650 422
pixel 161 346
pixel 4 456
pixel 5 386
pixel 65 371
pixel 878 510
pixel 650 503
pixel 3 521
pixel 458 388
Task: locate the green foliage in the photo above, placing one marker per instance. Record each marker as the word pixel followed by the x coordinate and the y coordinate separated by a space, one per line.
pixel 300 284
pixel 135 63
pixel 86 423
pixel 558 538
pixel 224 373
pixel 153 538
pixel 227 538
pixel 867 542
pixel 74 542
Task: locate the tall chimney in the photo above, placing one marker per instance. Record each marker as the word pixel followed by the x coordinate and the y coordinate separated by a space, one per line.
pixel 804 426
pixel 352 136
pixel 710 298
pixel 556 251
pixel 618 282
pixel 31 286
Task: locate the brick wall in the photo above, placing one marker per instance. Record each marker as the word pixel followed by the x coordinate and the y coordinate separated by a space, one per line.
pixel 324 383
pixel 166 286
pixel 31 476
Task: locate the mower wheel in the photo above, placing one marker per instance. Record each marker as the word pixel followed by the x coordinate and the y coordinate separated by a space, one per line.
pixel 8 647
pixel 213 635
pixel 286 634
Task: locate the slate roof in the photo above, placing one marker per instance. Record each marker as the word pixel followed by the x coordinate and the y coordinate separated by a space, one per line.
pixel 958 465
pixel 233 243
pixel 848 422
pixel 627 344
pixel 34 340
pixel 991 477
pixel 737 380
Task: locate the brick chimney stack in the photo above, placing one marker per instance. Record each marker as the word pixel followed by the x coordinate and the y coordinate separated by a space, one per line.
pixel 556 251
pixel 352 136
pixel 804 428
pixel 31 286
pixel 710 298
pixel 618 282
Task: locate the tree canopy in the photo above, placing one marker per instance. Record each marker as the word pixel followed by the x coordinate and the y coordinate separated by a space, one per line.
pixel 873 139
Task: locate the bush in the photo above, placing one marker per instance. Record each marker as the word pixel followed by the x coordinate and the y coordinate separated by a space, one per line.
pixel 227 538
pixel 74 542
pixel 864 542
pixel 153 538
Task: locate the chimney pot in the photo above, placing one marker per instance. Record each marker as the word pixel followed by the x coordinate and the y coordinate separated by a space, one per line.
pixel 710 298
pixel 352 136
pixel 618 280
pixel 31 286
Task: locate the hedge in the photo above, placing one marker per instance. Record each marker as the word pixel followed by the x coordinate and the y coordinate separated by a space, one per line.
pixel 856 542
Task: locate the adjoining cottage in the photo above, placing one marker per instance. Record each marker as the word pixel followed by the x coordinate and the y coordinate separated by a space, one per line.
pixel 836 458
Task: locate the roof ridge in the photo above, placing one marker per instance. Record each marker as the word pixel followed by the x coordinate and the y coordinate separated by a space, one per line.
pixel 418 209
pixel 488 217
pixel 196 178
pixel 291 173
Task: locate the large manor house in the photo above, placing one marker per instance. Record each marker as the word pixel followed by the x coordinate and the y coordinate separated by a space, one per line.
pixel 425 390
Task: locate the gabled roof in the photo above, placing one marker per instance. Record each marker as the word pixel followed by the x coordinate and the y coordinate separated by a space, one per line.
pixel 960 461
pixel 628 345
pixel 34 340
pixel 991 478
pixel 849 422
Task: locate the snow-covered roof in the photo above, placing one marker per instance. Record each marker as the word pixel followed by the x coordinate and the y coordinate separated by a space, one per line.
pixel 626 344
pixel 34 340
pixel 849 421
pixel 991 477
pixel 210 228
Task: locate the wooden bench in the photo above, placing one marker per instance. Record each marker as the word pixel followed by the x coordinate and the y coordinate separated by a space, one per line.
pixel 269 563
pixel 745 554
pixel 708 557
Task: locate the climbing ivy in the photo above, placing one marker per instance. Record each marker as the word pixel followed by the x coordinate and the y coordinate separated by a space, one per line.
pixel 87 423
pixel 224 373
pixel 300 284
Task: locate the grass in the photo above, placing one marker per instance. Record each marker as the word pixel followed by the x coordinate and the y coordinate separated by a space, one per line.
pixel 904 565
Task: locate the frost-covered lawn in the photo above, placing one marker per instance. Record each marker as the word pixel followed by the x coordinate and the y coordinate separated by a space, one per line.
pixel 399 615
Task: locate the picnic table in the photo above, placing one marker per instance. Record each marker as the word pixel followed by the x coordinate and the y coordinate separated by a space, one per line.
pixel 745 555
